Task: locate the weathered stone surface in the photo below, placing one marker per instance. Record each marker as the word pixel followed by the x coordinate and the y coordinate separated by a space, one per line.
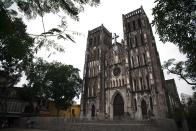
pixel 124 80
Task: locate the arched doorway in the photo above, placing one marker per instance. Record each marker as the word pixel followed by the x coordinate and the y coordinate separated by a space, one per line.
pixel 144 109
pixel 93 111
pixel 118 106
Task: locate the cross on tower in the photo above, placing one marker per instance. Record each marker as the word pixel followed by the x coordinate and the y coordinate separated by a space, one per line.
pixel 115 37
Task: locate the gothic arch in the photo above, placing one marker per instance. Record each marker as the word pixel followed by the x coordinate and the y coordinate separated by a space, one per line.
pixel 144 108
pixel 93 110
pixel 113 96
pixel 151 103
pixel 135 104
pixel 117 102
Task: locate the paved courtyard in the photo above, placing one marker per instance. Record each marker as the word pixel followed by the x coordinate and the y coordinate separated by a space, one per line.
pixel 20 129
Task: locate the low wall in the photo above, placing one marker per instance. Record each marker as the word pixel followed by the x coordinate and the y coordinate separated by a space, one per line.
pixel 62 124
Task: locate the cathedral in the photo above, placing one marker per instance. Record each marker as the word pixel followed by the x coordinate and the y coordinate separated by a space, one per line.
pixel 124 79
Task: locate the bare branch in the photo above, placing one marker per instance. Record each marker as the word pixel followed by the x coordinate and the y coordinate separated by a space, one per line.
pixel 181 76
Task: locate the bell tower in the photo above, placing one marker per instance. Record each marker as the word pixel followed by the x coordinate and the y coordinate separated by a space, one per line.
pixel 93 92
pixel 145 73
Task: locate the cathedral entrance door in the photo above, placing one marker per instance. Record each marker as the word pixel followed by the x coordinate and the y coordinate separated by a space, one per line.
pixel 93 111
pixel 118 106
pixel 144 109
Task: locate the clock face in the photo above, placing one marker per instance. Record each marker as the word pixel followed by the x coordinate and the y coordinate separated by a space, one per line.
pixel 116 71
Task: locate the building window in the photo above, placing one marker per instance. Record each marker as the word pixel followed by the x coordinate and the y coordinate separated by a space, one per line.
pixel 128 27
pixel 138 60
pixel 136 41
pixel 97 42
pixel 134 28
pixel 139 23
pixel 143 22
pixel 142 39
pixel 90 41
pixel 88 92
pixel 130 43
pixel 133 61
pixel 141 84
pixel 147 80
pixel 144 59
pixel 135 104
pixel 151 103
pixel 92 91
pixel 135 84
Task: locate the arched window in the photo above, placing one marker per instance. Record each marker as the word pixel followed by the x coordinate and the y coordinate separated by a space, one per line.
pixel 134 27
pixel 142 39
pixel 139 23
pixel 93 111
pixel 90 42
pixel 144 59
pixel 136 41
pixel 147 80
pixel 114 83
pixel 92 71
pixel 134 84
pixel 151 103
pixel 141 83
pixel 135 104
pixel 92 91
pixel 139 62
pixel 132 58
pixel 117 83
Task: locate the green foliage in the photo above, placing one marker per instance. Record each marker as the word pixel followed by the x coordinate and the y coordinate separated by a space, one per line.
pixel 175 22
pixel 15 48
pixel 180 69
pixel 55 81
pixel 33 8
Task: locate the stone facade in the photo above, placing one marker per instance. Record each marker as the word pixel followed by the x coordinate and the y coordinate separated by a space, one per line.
pixel 172 93
pixel 123 79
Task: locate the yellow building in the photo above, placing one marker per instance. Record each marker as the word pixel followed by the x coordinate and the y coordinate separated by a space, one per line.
pixel 71 112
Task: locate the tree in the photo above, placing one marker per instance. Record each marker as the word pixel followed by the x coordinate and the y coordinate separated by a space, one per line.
pixel 33 8
pixel 56 81
pixel 15 48
pixel 175 22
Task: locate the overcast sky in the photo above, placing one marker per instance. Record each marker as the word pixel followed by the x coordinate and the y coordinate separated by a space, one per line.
pixel 109 13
